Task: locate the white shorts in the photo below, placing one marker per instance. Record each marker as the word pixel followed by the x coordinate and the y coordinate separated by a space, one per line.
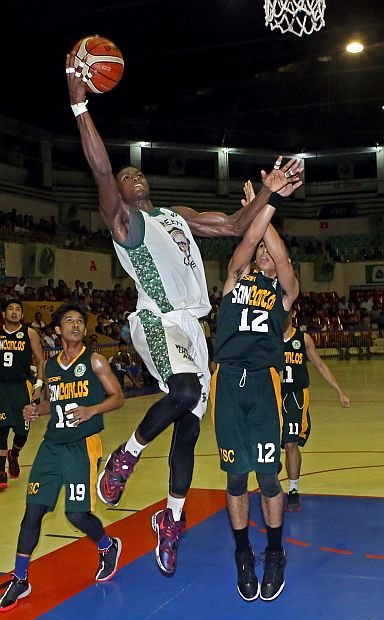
pixel 169 344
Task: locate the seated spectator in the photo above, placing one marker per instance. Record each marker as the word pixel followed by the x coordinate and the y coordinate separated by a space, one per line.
pixel 20 287
pixel 215 296
pixel 343 304
pixel 92 342
pixel 49 337
pixel 38 324
pixel 125 332
pixel 29 294
pixel 134 372
pixel 100 328
pixel 310 248
pixel 115 330
pixel 78 290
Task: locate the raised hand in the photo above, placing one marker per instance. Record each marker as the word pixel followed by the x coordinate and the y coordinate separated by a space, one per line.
pixel 283 179
pixel 249 193
pixel 76 85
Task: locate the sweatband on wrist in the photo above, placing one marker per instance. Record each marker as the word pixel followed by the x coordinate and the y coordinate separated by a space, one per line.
pixel 79 108
pixel 275 200
pixel 39 384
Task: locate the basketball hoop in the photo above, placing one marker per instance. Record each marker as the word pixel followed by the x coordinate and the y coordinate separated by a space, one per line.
pixel 296 16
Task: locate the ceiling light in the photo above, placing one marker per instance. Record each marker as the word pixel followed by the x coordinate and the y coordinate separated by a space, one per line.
pixel 354 47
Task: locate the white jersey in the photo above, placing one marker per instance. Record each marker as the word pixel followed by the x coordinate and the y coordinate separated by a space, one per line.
pixel 166 265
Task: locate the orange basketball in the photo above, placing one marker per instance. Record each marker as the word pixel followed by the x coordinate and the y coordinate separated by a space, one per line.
pixel 99 62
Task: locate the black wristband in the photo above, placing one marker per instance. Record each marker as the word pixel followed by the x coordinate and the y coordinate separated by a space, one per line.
pixel 275 200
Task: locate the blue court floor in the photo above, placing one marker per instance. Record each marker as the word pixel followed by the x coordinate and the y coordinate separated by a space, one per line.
pixel 335 571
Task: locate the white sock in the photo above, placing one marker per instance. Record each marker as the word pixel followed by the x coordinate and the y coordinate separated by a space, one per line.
pixel 176 504
pixel 293 485
pixel 133 446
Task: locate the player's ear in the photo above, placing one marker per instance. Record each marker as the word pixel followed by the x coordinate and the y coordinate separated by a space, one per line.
pixel 85 332
pixel 57 330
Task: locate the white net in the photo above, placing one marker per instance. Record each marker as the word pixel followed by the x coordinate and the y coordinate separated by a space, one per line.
pixel 296 16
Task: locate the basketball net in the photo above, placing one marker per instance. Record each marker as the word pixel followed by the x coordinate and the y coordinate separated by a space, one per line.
pixel 296 16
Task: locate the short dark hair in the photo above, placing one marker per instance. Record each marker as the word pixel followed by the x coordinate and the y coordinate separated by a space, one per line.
pixel 12 301
pixel 59 313
pixel 115 174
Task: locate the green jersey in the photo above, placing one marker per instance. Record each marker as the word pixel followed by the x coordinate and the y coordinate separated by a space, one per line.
pixel 69 387
pixel 295 371
pixel 15 354
pixel 250 324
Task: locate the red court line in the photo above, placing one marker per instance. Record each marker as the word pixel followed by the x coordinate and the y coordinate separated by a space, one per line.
pixel 336 550
pixel 374 557
pixel 59 575
pixel 298 542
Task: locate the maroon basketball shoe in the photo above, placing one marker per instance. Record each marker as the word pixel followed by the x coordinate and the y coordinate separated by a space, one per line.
pixel 118 468
pixel 168 537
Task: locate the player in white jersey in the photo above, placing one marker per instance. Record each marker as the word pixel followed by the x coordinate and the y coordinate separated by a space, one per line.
pixel 156 248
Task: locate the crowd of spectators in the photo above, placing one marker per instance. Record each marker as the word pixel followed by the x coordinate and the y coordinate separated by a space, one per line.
pixel 112 307
pixel 316 312
pixel 329 312
pixel 75 235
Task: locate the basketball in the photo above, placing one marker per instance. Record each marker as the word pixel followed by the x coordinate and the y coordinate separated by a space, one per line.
pixel 99 62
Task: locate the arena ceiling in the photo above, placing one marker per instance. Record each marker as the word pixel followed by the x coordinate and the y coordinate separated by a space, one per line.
pixel 203 71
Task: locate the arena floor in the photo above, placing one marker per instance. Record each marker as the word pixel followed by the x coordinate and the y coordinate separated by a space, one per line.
pixel 335 545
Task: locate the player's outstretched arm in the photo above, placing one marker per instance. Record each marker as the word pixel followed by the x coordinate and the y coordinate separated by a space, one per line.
pixel 217 224
pixel 324 370
pixel 283 266
pixel 115 218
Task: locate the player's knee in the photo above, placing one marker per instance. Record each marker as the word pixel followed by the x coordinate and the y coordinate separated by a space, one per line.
pixel 184 390
pixel 33 516
pixel 188 429
pixel 269 485
pixel 291 447
pixel 78 519
pixel 237 484
pixel 4 432
pixel 20 441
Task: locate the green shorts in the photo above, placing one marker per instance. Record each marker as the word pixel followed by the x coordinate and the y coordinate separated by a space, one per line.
pixel 14 395
pixel 296 418
pixel 73 465
pixel 247 417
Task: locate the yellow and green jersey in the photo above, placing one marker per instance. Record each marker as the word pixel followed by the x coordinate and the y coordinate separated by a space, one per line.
pixel 76 385
pixel 295 375
pixel 15 354
pixel 250 324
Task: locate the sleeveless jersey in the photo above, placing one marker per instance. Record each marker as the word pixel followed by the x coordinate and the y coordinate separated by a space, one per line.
pixel 166 265
pixel 295 374
pixel 250 324
pixel 76 385
pixel 15 354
